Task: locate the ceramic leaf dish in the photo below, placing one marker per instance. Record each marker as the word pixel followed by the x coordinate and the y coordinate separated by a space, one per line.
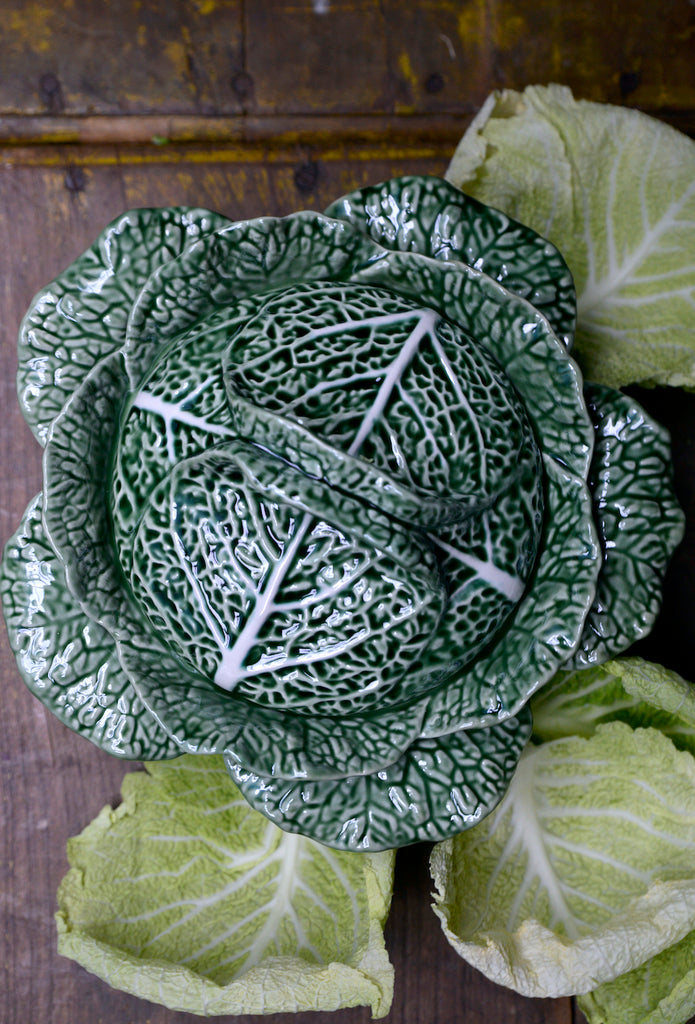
pixel 327 494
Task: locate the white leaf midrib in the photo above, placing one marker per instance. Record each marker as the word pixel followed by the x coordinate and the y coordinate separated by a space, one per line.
pixel 622 270
pixel 231 670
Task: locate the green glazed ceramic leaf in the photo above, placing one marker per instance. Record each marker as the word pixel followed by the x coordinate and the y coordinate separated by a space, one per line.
pixel 193 711
pixel 264 613
pixel 639 520
pixel 204 719
pixel 382 384
pixel 615 191
pixel 302 445
pixel 248 258
pixel 628 690
pixel 544 629
pixel 188 898
pixel 385 380
pixel 433 218
pixel 513 333
pixel 76 474
pixel 469 703
pixel 66 660
pixel 583 872
pixel 81 317
pixel 436 789
pixel 164 427
pixel 179 412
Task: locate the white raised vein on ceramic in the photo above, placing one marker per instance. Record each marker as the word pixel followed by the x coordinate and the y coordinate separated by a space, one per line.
pixel 437 788
pixel 517 336
pixel 324 379
pixel 235 649
pixel 232 668
pixel 81 316
pixel 204 719
pixel 433 218
pixel 67 661
pixel 186 386
pixel 460 443
pixel 251 365
pixel 291 642
pixel 270 254
pixel 246 258
pixel 546 626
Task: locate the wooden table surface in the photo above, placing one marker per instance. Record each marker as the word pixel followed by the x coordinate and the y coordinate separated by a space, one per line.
pixel 253 107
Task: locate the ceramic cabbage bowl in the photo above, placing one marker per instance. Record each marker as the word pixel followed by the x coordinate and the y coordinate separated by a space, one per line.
pixel 327 495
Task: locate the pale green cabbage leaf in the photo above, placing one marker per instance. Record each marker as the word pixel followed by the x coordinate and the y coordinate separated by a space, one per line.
pixel 585 871
pixel 187 897
pixel 614 190
pixel 626 689
pixel 662 991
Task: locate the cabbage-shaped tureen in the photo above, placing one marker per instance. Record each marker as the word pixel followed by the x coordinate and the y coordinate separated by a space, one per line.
pixel 326 494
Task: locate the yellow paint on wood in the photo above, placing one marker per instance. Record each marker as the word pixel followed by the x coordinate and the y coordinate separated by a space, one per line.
pixel 472 20
pixel 31 27
pixel 509 31
pixel 184 179
pixel 249 154
pixel 175 52
pixel 408 74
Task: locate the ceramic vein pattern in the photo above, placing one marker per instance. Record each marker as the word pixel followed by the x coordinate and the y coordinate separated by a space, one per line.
pixel 318 496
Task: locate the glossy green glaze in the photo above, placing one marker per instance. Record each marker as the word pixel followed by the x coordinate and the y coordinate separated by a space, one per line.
pixel 318 497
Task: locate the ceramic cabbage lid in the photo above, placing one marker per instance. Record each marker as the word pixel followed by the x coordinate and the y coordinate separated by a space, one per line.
pixel 327 494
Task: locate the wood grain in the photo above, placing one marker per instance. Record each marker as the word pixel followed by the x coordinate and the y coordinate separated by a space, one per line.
pixel 211 60
pixel 258 107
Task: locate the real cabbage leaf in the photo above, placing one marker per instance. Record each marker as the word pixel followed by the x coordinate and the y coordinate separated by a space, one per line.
pixel 584 871
pixel 662 991
pixel 629 690
pixel 186 896
pixel 614 190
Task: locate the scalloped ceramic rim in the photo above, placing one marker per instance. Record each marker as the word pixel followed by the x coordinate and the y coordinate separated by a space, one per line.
pixel 653 516
pixel 99 704
pixel 364 209
pixel 397 806
pixel 238 246
pixel 203 719
pixel 73 284
pixel 539 335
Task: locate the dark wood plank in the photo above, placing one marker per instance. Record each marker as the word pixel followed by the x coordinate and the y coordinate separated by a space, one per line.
pixel 212 60
pixel 414 132
pixel 439 55
pixel 124 58
pixel 301 60
pixel 638 54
